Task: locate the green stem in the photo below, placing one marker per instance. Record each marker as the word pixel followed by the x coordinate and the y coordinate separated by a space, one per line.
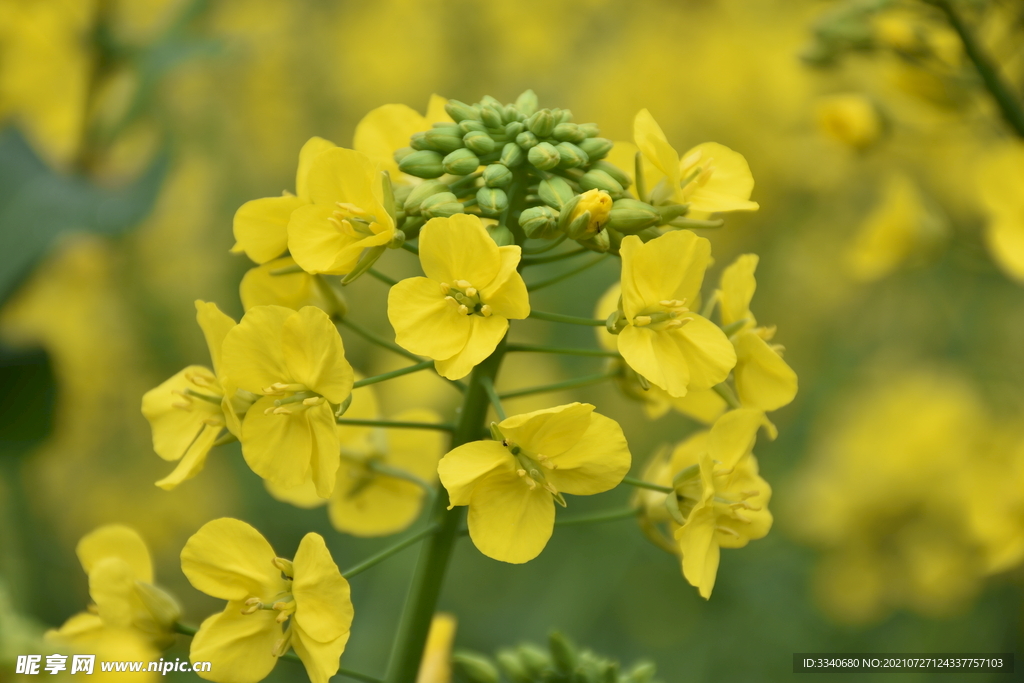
pixel 395 424
pixel 547 247
pixel 554 257
pixel 569 319
pixel 558 386
pixel 374 560
pixel 696 223
pixel 436 553
pixel 225 438
pixel 1004 97
pixel 492 396
pixel 422 365
pixel 382 277
pixel 528 348
pixel 609 516
pixel 533 287
pixel 639 483
pixel 287 270
pixel 411 248
pixel 725 391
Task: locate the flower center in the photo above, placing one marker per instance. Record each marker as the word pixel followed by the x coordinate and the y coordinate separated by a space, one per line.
pixel 667 314
pixel 352 221
pixel 465 298
pixel 283 603
pixel 294 396
pixel 694 173
pixel 531 468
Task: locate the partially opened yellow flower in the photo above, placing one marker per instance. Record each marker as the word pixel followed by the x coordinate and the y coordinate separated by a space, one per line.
pixel 511 485
pixel 261 225
pixel 274 604
pixel 121 586
pixel 346 214
pixel 262 286
pixel 296 361
pixel 663 340
pixel 709 177
pixel 1001 184
pixel 459 312
pixel 387 128
pixel 190 410
pixel 763 379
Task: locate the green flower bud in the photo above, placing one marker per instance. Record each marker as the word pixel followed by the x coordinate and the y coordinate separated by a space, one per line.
pixel 570 156
pixel 513 129
pixel 402 153
pixel 564 116
pixel 527 103
pixel 555 192
pixel 599 241
pixel 541 123
pixel 418 140
pixel 461 162
pixel 460 111
pixel 471 124
pixel 365 262
pixel 497 175
pixel 576 228
pixel 443 139
pixel 630 216
pixel 539 222
pixel 534 659
pixel 596 148
pixel 649 234
pixel 562 653
pixel 526 140
pixel 487 100
pixel 501 235
pixel 513 668
pixel 420 193
pixel 590 130
pixel 491 116
pixel 671 211
pixel 479 142
pixel 642 673
pixel 441 205
pixel 614 171
pixel 596 179
pixel 491 200
pixel 544 156
pixel 476 668
pixel 568 132
pixel 510 114
pixel 425 163
pixel 512 155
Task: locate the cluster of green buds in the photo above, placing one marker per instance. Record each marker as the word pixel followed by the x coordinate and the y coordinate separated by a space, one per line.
pixel 535 171
pixel 562 662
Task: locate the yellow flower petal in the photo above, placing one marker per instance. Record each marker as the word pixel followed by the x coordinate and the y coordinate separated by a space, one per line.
pixel 193 461
pixel 323 607
pixel 424 322
pixel 668 267
pixel 708 352
pixel 253 354
pixel 654 145
pixel 324 458
pixel 310 151
pixel 384 506
pixel 261 226
pixel 594 464
pixel 259 287
pixel 688 451
pixel 238 646
pixel 319 246
pixel 347 176
pixel 484 336
pixel 178 421
pixel 507 295
pixel 112 587
pixel 116 540
pixel 215 326
pixel 302 496
pixel 322 660
pixel 464 466
pixel 656 356
pixel 763 379
pixel 737 290
pixel 277 447
pixel 1005 240
pixel 549 432
pixel 700 553
pixel 436 665
pixel 730 184
pixel 732 437
pixel 459 248
pixel 508 521
pixel 386 129
pixel 229 559
pixel 315 355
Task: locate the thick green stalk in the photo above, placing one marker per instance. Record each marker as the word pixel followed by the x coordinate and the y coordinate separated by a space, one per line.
pixel 433 562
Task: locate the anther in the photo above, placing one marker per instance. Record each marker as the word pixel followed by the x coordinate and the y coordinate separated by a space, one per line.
pixel 281 410
pixel 521 472
pixel 451 300
pixel 445 288
pixel 672 324
pixel 463 309
pixel 182 405
pixel 470 291
pixel 463 284
pixel 313 401
pixel 672 303
pixel 486 311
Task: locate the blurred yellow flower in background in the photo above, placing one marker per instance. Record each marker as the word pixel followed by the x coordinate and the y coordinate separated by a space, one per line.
pixel 849 118
pixel 1001 185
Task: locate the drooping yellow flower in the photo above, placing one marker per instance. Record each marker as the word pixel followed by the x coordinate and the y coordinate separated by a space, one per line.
pixel 849 118
pixel 191 409
pixel 763 379
pixel 709 177
pixel 121 586
pixel 346 213
pixel 296 361
pixel 388 128
pixel 261 225
pixel 511 485
pixel 1001 185
pixel 260 286
pixel 459 312
pixel 673 347
pixel 274 604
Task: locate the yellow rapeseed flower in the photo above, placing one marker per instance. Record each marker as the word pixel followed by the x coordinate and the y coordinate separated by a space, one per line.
pixel 709 177
pixel 260 286
pixel 511 485
pixel 191 409
pixel 763 379
pixel 459 312
pixel 261 225
pixel 849 118
pixel 273 605
pixel 295 360
pixel 388 128
pixel 1001 184
pixel 346 213
pixel 673 347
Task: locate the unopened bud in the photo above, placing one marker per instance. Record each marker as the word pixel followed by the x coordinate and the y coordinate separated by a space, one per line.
pixel 596 148
pixel 441 205
pixel 614 171
pixel 534 659
pixel 564 116
pixel 491 116
pixel 642 673
pixel 479 142
pixel 423 164
pixel 476 668
pixel 503 237
pixel 420 193
pixel 562 652
pixel 365 262
pixel 600 241
pixel 630 216
pixel 461 162
pixel 593 202
pixel 460 111
pixel 497 175
pixel 568 132
pixel 571 156
pixel 418 141
pixel 509 114
pixel 444 140
pixel 596 179
pixel 539 222
pixel 590 129
pixel 513 668
pixel 471 125
pixel 555 192
pixel 527 103
pixel 512 155
pixel 514 128
pixel 491 200
pixel 544 156
pixel 526 139
pixel 541 123
pixel 402 153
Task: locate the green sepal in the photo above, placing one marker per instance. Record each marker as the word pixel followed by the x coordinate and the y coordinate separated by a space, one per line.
pixel 460 111
pixel 501 235
pixel 420 193
pixel 491 200
pixel 539 222
pixel 570 156
pixel 541 123
pixel 596 179
pixel 424 163
pixel 563 654
pixel 555 192
pixel 461 162
pixel 630 216
pixel 527 103
pixel 596 148
pixel 568 132
pixel 497 175
pixel 389 196
pixel 366 262
pixel 476 668
pixel 512 155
